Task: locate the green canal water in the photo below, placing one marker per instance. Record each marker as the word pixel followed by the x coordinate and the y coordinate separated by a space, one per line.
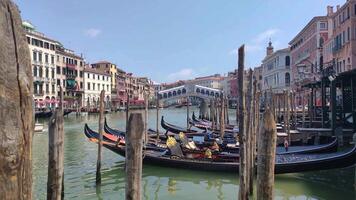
pixel 165 183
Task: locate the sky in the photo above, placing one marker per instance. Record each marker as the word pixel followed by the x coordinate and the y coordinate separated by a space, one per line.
pixel 168 40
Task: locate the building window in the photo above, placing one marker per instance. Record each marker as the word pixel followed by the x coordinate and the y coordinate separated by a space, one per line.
pixel 46 45
pixel 35 71
pixel 88 86
pixel 28 40
pixel 80 74
pixel 64 83
pixel 348 33
pixel 52 59
pixel 46 58
pixel 40 56
pixel 52 47
pixel 93 86
pixel 52 73
pixel 47 72
pixel 58 82
pixel 58 70
pixel 322 25
pixel 40 72
pixel 81 85
pixel 287 79
pixel 287 61
pixel 47 88
pixel 34 55
pixel 53 90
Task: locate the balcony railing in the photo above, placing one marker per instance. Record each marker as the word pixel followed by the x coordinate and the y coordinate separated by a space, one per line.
pixel 71 76
pixel 39 93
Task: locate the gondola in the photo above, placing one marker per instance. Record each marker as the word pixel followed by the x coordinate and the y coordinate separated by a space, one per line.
pixel 324 148
pixel 204 124
pixel 175 129
pixel 66 112
pixel 290 163
pixel 43 114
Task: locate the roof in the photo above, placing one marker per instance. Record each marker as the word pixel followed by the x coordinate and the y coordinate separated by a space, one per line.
pixel 94 71
pixel 102 62
pixel 276 52
pixel 313 20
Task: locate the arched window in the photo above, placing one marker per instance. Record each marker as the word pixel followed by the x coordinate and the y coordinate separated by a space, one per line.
pixel 184 91
pixel 165 95
pixel 198 90
pixel 169 94
pixel 35 71
pixel 202 91
pixel 179 92
pixel 207 92
pixel 40 72
pixel 174 93
pixel 211 93
pixel 287 79
pixel 216 94
pixel 321 42
pixel 287 61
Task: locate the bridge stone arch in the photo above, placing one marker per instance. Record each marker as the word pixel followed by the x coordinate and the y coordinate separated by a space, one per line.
pixel 189 90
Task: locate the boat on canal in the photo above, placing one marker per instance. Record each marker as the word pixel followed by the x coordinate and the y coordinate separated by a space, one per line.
pixel 285 163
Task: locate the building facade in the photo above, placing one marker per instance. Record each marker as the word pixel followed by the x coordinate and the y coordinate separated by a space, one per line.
pixel 43 63
pixel 70 75
pixel 276 70
pixel 94 81
pixel 306 54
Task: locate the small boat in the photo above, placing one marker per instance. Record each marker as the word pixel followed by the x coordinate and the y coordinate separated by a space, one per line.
pixel 66 112
pixel 43 114
pixel 38 127
pixel 290 163
pixel 175 129
pixel 204 124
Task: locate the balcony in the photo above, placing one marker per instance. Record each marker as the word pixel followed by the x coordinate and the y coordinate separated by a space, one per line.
pixel 38 93
pixel 71 66
pixel 71 76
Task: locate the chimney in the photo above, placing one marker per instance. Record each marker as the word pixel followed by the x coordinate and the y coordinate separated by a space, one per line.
pixel 269 48
pixel 330 10
pixel 337 7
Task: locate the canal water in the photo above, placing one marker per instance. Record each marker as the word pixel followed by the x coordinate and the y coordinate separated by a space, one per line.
pixel 165 183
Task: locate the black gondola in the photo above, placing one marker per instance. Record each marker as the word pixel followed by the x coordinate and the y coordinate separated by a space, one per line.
pixel 284 163
pixel 325 148
pixel 43 114
pixel 175 129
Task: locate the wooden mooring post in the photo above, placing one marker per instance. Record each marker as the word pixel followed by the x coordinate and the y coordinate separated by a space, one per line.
pixel 266 157
pixel 101 132
pixel 248 149
pixel 222 116
pixel 188 127
pixel 16 113
pixel 243 193
pixel 157 119
pixel 146 118
pixel 133 158
pixel 55 176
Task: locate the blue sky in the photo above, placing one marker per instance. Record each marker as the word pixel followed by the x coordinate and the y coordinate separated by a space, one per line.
pixel 169 40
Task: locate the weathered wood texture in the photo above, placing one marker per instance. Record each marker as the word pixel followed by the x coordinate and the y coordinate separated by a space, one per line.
pixel 266 157
pixel 188 127
pixel 16 113
pixel 222 117
pixel 55 182
pixel 252 155
pixel 133 157
pixel 146 116
pixel 242 125
pixel 157 120
pixel 101 132
pixel 248 131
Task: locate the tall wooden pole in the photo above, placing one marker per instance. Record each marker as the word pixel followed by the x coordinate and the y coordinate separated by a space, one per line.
pixel 56 153
pixel 222 120
pixel 157 119
pixel 188 113
pixel 288 116
pixel 266 157
pixel 146 118
pixel 303 110
pixel 133 158
pixel 253 136
pixel 227 110
pixel 101 132
pixel 243 193
pixel 16 113
pixel 249 126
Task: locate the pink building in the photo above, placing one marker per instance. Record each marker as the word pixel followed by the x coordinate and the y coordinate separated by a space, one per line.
pixel 340 47
pixel 306 54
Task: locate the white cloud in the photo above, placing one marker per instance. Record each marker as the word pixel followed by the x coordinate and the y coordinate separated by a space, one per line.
pixel 181 75
pixel 267 34
pixel 92 32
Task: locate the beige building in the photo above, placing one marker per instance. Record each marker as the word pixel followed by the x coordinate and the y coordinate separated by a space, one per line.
pixel 70 72
pixel 42 50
